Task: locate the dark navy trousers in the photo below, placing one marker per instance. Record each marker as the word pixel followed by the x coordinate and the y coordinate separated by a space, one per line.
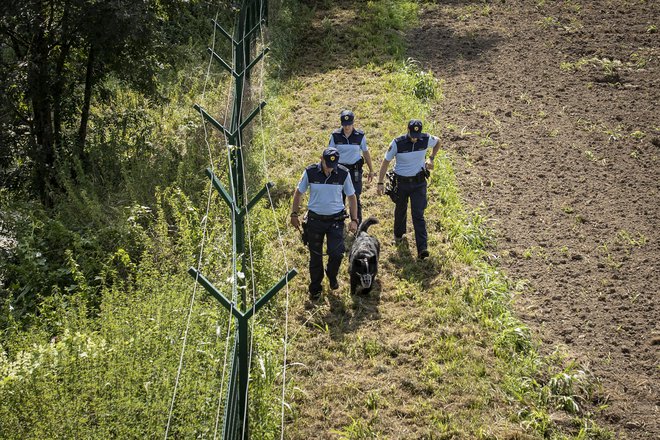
pixel 416 192
pixel 356 178
pixel 318 230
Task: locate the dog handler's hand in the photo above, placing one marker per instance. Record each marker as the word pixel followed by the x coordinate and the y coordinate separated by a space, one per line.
pixel 352 226
pixel 295 222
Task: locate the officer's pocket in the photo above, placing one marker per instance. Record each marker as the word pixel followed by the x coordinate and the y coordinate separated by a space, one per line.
pixel 315 240
pixel 338 229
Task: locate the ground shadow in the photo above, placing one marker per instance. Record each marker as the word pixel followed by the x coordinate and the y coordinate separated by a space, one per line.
pixel 345 35
pixel 365 307
pixel 338 312
pixel 410 268
pixel 346 313
pixel 457 51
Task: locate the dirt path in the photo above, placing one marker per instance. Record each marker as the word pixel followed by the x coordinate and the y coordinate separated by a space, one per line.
pixel 565 159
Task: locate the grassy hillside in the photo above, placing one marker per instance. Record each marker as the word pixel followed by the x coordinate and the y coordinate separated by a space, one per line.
pixel 435 351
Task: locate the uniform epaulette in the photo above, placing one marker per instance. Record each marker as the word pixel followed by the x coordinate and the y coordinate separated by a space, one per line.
pixel 312 166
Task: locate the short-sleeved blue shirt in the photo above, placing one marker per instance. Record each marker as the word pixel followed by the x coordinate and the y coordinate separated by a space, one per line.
pixel 410 157
pixel 325 192
pixel 350 147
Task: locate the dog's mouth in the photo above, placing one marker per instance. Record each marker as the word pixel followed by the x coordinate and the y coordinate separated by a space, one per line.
pixel 365 279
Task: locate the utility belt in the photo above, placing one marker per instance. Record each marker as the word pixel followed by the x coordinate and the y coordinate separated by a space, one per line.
pixel 417 178
pixel 307 237
pixel 355 166
pixel 313 239
pixel 338 217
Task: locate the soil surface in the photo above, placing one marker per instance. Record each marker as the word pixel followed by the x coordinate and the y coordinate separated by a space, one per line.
pixel 551 117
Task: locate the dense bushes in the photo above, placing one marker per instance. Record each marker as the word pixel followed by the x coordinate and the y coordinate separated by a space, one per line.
pixel 93 284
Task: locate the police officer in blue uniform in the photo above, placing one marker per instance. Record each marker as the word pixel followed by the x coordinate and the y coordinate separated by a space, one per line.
pixel 326 180
pixel 353 153
pixel 410 170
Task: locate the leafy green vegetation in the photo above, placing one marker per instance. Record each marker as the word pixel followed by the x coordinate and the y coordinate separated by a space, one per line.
pixel 93 272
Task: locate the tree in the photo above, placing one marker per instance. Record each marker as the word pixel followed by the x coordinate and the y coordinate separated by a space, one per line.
pixel 53 55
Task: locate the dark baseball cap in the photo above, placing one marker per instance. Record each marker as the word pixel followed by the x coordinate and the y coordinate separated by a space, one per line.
pixel 331 157
pixel 414 128
pixel 347 117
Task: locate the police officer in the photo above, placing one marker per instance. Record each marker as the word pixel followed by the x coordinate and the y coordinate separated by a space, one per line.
pixel 353 153
pixel 410 171
pixel 326 180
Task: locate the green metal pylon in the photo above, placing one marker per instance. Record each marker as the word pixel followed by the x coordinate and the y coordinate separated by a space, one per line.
pixel 246 26
pixel 236 423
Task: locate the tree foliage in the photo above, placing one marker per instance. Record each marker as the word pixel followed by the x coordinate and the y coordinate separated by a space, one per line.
pixel 101 211
pixel 95 117
pixel 55 55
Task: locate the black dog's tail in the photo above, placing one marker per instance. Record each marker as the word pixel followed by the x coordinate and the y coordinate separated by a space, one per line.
pixel 365 225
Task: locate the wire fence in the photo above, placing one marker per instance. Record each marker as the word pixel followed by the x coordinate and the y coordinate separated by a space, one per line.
pixel 251 15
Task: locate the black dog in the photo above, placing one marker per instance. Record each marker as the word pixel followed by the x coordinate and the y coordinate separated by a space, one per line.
pixel 363 258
